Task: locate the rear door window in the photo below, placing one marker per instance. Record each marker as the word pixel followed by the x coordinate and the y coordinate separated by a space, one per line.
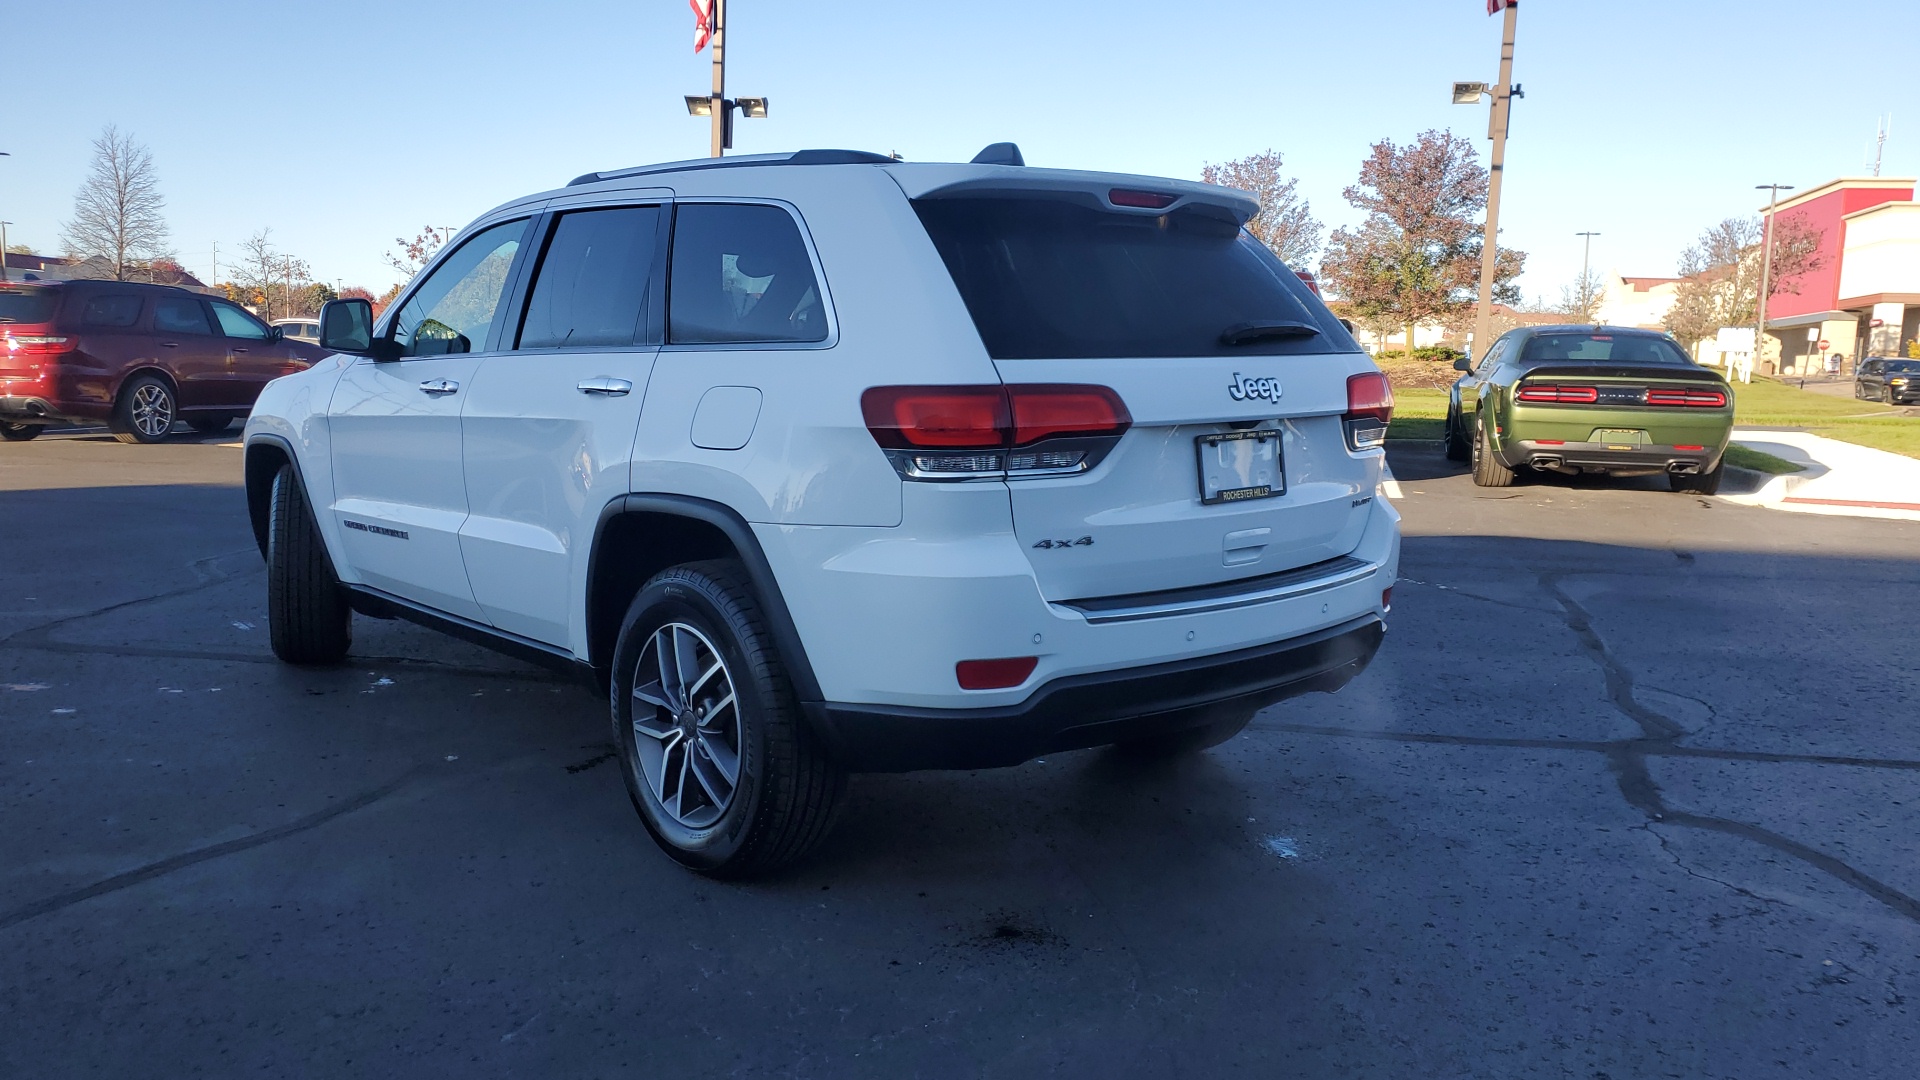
pixel 741 273
pixel 593 288
pixel 1050 278
pixel 235 322
pixel 180 315
pixel 113 311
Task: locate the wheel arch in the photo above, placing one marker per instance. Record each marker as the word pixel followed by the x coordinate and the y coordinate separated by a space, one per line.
pixel 131 374
pixel 265 456
pixel 639 535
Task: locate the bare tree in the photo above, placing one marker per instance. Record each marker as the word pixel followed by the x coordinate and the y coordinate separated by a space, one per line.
pixel 116 214
pixel 1580 301
pixel 1285 222
pixel 270 279
pixel 1722 272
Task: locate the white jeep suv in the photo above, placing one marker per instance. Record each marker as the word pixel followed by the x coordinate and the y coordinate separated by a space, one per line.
pixel 825 462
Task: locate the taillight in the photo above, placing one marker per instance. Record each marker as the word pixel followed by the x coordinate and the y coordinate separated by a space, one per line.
pixel 1556 394
pixel 36 343
pixel 1145 200
pixel 993 432
pixel 1688 397
pixel 994 674
pixel 1369 410
pixel 1306 278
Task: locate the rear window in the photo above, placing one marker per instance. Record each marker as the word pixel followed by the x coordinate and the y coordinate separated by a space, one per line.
pixel 113 310
pixel 1618 348
pixel 28 305
pixel 1046 278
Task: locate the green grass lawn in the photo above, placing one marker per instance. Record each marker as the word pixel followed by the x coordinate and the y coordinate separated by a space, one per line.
pixel 1421 414
pixel 1748 458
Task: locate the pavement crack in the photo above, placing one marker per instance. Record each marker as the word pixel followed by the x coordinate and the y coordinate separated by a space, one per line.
pixel 199 855
pixel 206 572
pixel 1619 680
pixel 1691 872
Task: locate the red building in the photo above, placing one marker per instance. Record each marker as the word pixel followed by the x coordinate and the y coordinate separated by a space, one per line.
pixel 1863 296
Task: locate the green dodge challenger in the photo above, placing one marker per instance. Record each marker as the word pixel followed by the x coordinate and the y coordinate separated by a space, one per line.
pixel 1579 399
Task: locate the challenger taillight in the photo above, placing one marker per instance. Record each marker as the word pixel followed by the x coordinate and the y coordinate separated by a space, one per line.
pixel 1686 397
pixel 1369 410
pixel 994 432
pixel 1557 394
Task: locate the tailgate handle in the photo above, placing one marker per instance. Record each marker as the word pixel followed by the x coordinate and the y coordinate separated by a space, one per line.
pixel 1244 546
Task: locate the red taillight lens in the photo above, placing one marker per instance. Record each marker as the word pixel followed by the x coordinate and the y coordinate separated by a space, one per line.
pixel 937 417
pixel 1369 410
pixel 36 343
pixel 1556 394
pixel 1044 411
pixel 1677 397
pixel 1145 200
pixel 994 674
pixel 1306 278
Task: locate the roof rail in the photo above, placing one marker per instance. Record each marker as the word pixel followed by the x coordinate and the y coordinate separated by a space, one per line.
pixel 798 157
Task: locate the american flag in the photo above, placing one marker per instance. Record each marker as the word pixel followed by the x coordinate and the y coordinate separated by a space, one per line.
pixel 1493 6
pixel 703 21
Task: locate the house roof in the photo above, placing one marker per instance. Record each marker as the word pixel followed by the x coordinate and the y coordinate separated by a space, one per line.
pixel 1644 284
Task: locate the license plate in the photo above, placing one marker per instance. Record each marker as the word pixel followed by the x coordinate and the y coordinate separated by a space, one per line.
pixel 1619 436
pixel 1239 465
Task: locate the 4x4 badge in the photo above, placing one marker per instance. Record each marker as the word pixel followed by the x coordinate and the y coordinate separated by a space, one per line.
pixel 1048 545
pixel 1245 389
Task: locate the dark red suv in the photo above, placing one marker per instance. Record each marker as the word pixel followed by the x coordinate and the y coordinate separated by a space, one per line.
pixel 138 357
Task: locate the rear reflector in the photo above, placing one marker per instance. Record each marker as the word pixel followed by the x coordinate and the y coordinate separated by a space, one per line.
pixel 1557 394
pixel 1386 598
pixel 1689 448
pixel 1551 442
pixel 1369 410
pixel 994 674
pixel 1688 397
pixel 1145 200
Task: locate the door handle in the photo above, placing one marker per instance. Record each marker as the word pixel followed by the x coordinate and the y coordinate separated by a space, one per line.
pixel 237 348
pixel 440 386
pixel 607 386
pixel 169 344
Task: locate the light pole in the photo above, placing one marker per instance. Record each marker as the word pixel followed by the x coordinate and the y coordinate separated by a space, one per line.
pixel 1766 263
pixel 3 237
pixel 1586 290
pixel 717 105
pixel 1503 94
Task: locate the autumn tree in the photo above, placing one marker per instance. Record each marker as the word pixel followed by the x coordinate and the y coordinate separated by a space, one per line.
pixel 417 252
pixel 1722 274
pixel 1416 257
pixel 1285 222
pixel 116 213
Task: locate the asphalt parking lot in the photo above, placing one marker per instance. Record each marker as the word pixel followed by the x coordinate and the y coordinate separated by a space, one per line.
pixel 1633 790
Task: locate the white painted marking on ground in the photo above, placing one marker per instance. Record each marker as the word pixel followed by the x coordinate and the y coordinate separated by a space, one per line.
pixel 29 687
pixel 1281 846
pixel 1388 485
pixel 242 625
pixel 61 712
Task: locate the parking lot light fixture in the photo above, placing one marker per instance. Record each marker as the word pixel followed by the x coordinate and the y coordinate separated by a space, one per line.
pixel 699 106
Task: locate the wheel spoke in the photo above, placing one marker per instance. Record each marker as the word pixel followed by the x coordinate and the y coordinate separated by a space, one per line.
pixel 653 694
pixel 655 727
pixel 718 707
pixel 723 758
pixel 700 683
pixel 686 659
pixel 710 774
pixel 663 647
pixel 680 788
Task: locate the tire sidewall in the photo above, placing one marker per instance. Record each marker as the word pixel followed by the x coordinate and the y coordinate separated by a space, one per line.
pixel 684 597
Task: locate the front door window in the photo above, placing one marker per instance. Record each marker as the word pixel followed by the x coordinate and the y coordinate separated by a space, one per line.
pixel 453 310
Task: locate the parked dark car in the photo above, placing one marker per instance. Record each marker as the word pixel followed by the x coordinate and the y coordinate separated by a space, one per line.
pixel 1888 379
pixel 136 357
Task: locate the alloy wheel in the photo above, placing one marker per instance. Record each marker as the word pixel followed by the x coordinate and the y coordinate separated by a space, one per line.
pixel 686 725
pixel 152 410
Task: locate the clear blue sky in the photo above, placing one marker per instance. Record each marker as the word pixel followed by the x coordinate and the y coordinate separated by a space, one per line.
pixel 344 125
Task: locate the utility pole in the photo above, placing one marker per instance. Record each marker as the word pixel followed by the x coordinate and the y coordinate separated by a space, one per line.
pixel 1497 131
pixel 3 237
pixel 1766 263
pixel 721 114
pixel 1586 290
pixel 215 279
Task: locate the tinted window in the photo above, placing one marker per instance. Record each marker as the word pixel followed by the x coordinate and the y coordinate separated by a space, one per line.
pixel 1904 367
pixel 236 323
pixel 28 305
pixel 741 273
pixel 591 288
pixel 1046 278
pixel 452 311
pixel 112 310
pixel 1620 348
pixel 179 315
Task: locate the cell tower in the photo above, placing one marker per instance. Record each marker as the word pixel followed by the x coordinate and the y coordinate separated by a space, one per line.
pixel 1882 125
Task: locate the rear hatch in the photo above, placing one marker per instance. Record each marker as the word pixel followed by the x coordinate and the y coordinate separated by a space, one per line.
pixel 1236 464
pixel 27 337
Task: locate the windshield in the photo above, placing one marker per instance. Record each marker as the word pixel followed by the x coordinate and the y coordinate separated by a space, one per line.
pixel 1045 278
pixel 28 305
pixel 1618 348
pixel 1904 367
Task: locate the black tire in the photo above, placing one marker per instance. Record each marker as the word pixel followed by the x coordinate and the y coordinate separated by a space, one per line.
pixel 1706 483
pixel 19 432
pixel 1886 395
pixel 786 791
pixel 1487 470
pixel 1182 743
pixel 210 423
pixel 308 619
pixel 145 411
pixel 1457 447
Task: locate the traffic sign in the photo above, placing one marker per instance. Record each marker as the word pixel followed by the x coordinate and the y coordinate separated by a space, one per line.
pixel 1825 344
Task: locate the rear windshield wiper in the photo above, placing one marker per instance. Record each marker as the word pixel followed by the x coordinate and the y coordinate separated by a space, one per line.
pixel 1242 333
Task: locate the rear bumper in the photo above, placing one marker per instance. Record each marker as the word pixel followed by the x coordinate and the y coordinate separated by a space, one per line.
pixel 1598 456
pixel 1079 711
pixel 21 409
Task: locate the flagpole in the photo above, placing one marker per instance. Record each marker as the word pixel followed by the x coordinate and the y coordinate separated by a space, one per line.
pixel 1497 131
pixel 719 78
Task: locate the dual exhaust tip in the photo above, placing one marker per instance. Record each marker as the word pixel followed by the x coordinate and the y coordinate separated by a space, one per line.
pixel 1554 463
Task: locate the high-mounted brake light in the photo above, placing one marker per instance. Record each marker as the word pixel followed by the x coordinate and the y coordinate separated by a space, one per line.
pixel 1557 394
pixel 993 432
pixel 1369 410
pixel 1145 200
pixel 1669 397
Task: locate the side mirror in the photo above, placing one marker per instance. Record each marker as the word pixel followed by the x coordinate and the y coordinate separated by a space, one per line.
pixel 276 333
pixel 1463 364
pixel 347 326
